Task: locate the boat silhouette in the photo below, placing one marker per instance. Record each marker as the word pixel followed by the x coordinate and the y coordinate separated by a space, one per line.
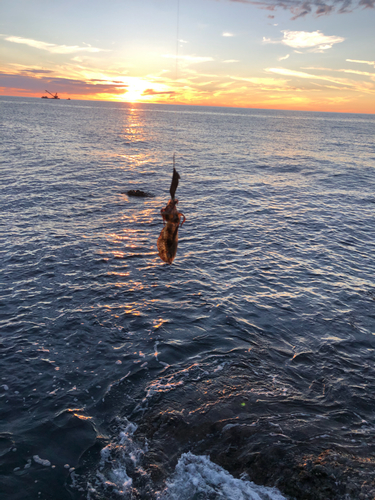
pixel 54 96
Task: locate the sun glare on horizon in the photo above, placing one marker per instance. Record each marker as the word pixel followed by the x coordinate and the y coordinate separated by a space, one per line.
pixel 135 90
pixel 140 90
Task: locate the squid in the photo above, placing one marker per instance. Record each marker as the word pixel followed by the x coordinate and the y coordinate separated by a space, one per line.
pixel 173 219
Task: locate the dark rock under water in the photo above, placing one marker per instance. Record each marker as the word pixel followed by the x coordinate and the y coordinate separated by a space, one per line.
pixel 139 193
pixel 217 413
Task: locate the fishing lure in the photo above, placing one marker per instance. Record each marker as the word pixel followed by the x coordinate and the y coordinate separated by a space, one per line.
pixel 168 239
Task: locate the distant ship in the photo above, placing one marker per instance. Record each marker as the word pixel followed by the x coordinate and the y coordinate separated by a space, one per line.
pixel 54 96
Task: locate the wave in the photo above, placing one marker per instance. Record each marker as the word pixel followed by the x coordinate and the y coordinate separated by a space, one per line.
pixel 121 474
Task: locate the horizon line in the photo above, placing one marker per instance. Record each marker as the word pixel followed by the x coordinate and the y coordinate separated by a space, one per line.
pixel 132 103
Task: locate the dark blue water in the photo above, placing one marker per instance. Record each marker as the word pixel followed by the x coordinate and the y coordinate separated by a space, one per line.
pixel 257 343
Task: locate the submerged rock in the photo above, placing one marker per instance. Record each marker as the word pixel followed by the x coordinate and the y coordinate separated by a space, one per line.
pixel 216 417
pixel 139 193
pixel 201 434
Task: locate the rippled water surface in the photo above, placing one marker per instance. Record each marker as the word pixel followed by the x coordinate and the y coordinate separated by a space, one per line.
pixel 258 339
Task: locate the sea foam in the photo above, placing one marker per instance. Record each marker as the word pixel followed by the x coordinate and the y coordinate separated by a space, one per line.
pixel 198 477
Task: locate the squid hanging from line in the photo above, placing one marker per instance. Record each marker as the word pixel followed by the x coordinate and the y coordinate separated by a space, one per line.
pixel 168 239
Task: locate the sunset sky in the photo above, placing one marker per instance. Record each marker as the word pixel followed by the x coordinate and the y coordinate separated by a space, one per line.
pixel 313 55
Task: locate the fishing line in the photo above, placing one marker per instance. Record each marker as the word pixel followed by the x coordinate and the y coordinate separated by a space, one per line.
pixel 172 218
pixel 176 78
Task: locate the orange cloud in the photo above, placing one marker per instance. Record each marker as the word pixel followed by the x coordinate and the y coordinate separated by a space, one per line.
pixel 33 82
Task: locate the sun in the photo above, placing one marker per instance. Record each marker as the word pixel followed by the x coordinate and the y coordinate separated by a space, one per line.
pixel 135 90
pixel 144 90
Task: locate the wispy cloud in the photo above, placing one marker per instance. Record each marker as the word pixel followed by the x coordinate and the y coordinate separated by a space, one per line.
pixel 344 83
pixel 282 58
pixel 301 8
pixel 370 63
pixel 312 41
pixel 231 61
pixel 51 47
pixel 349 71
pixel 155 92
pixel 227 34
pixel 263 83
pixel 302 74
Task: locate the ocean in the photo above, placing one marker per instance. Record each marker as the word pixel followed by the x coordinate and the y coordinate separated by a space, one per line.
pixel 242 371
